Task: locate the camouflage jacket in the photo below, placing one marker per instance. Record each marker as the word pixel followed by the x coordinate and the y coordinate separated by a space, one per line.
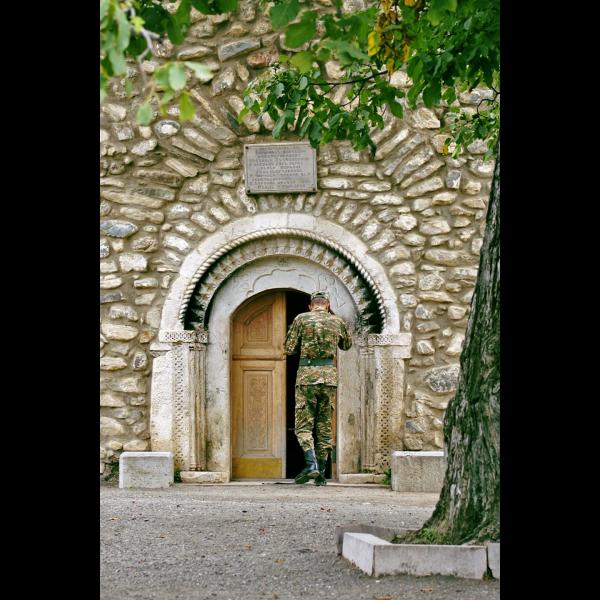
pixel 317 334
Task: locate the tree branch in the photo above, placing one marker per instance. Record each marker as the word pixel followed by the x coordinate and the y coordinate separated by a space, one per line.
pixel 335 83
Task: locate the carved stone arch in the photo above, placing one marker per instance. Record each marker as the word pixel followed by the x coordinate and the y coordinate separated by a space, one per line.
pixel 282 242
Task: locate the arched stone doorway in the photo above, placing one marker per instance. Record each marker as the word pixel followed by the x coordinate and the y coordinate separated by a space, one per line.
pixel 265 274
pixel 190 398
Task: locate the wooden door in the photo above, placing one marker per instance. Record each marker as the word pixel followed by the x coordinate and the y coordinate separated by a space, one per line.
pixel 258 388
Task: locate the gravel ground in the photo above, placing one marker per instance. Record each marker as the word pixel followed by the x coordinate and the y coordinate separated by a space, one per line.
pixel 257 542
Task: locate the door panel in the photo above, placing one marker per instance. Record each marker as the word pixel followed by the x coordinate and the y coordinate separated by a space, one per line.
pixel 258 388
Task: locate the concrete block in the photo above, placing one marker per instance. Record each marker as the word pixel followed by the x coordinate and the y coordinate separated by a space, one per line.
pixel 360 478
pixel 204 477
pixel 146 469
pixel 385 533
pixel 418 471
pixel 493 554
pixel 359 549
pixel 376 556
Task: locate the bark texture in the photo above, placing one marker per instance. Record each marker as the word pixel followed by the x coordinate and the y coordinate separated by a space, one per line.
pixel 468 509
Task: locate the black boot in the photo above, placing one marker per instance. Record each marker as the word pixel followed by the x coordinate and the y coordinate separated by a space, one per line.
pixel 320 480
pixel 311 470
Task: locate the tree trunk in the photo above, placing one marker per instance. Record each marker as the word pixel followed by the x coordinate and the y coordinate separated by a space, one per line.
pixel 468 509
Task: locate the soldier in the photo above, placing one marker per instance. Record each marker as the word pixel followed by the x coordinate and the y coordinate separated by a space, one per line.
pixel 317 334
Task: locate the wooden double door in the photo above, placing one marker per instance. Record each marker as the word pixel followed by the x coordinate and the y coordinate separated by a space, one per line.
pixel 262 388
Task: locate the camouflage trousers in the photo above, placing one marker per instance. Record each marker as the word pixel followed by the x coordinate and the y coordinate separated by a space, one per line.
pixel 314 405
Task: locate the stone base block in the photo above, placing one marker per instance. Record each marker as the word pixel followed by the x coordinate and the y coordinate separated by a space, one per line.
pixel 146 469
pixel 418 471
pixel 493 551
pixel 359 549
pixel 204 477
pixel 385 533
pixel 376 556
pixel 360 478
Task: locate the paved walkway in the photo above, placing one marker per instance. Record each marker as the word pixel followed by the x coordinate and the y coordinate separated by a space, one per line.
pixel 260 541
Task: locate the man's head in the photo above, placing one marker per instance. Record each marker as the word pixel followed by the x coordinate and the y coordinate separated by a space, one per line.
pixel 319 299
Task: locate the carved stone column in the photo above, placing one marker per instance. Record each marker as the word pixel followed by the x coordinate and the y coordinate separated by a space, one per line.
pixel 382 397
pixel 187 377
pixel 367 405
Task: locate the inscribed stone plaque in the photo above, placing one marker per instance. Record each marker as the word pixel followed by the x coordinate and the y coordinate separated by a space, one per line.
pixel 284 167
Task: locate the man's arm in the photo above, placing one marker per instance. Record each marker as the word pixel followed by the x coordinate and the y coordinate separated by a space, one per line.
pixel 345 341
pixel 292 339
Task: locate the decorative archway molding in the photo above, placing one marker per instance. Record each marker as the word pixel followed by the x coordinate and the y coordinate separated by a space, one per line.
pixel 243 230
pixel 283 243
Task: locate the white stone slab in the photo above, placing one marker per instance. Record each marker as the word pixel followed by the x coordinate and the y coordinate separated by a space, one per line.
pixel 204 477
pixel 377 557
pixel 146 470
pixel 360 478
pixel 359 549
pixel 418 471
pixel 384 533
pixel 493 553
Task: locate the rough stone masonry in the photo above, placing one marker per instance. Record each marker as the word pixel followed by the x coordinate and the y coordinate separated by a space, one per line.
pixel 165 187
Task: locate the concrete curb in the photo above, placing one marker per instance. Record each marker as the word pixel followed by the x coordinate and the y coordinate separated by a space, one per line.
pixel 377 556
pixel 385 533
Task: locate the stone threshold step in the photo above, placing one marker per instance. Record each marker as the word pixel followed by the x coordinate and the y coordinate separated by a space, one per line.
pixel 377 556
pixel 284 482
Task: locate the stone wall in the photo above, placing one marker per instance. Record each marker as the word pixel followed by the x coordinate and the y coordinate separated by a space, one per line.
pixel 165 187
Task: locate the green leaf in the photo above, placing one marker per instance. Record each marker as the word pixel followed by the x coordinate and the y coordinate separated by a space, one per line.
pixel 186 108
pixel 202 72
pixel 174 31
pixel 305 127
pixel 302 83
pixel 128 88
pixel 144 114
pixel 303 61
pixel 299 33
pixel 177 76
pixel 442 5
pixel 323 54
pixel 242 114
pixel 104 4
pixel 166 98
pixel 435 16
pixel 396 108
pixel 278 126
pixel 205 7
pixel 137 45
pixel 281 14
pixel 233 122
pixel 155 17
pixel 450 95
pixel 161 76
pixel 123 30
pixel 117 60
pixel 226 5
pixel 137 23
pixel 431 94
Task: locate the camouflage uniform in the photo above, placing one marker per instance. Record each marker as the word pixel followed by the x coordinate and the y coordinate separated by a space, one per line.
pixel 317 334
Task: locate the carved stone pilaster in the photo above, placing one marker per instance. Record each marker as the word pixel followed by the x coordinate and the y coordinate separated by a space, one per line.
pixel 187 353
pixel 382 395
pixel 198 380
pixel 367 405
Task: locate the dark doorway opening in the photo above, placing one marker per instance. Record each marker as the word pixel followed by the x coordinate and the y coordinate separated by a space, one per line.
pixel 296 303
